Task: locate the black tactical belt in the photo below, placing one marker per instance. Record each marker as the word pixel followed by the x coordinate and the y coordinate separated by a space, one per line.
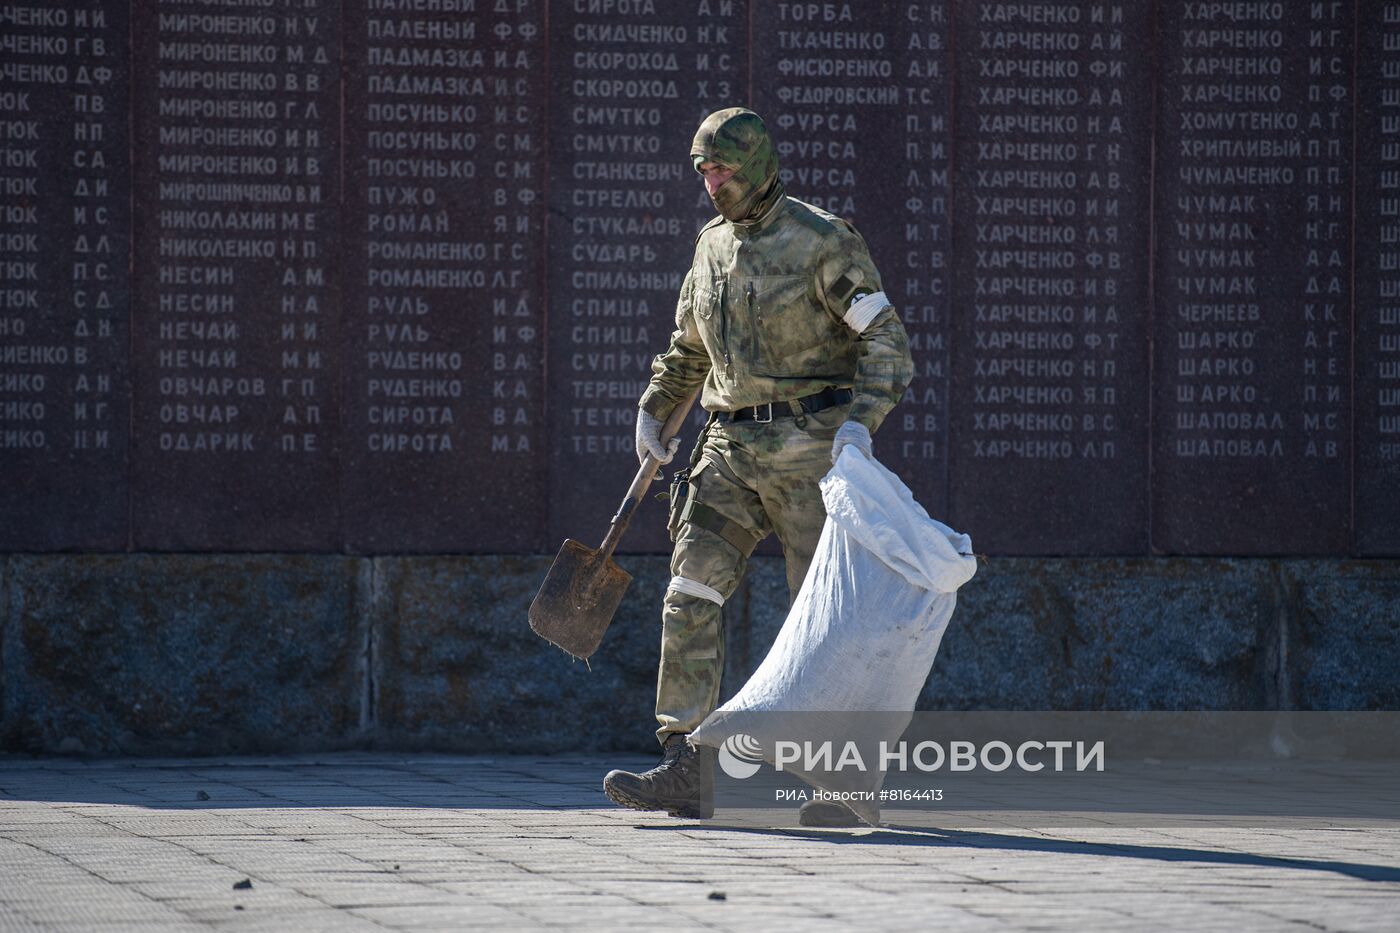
pixel 817 401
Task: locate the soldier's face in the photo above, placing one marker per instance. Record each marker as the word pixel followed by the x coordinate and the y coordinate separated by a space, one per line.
pixel 715 175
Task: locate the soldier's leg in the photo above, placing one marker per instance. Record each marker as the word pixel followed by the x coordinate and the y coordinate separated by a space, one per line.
pixel 692 632
pixel 723 523
pixel 795 457
pixel 792 495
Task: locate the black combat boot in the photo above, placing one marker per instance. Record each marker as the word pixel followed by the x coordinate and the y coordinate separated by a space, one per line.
pixel 683 784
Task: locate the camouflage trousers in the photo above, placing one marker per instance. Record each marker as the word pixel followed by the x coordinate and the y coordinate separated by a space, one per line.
pixel 751 479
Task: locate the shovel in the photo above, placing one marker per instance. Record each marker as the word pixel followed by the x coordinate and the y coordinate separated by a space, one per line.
pixel 582 590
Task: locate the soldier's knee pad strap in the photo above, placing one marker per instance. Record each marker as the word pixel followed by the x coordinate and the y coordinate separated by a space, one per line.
pixel 737 536
pixel 697 589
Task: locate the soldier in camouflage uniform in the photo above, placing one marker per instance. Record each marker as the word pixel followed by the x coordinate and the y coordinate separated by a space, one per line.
pixel 782 319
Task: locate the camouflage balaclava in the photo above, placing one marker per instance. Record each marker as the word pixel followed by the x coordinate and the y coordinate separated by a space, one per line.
pixel 737 138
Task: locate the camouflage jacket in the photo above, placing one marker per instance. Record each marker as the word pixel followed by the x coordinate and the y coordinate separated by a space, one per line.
pixel 779 309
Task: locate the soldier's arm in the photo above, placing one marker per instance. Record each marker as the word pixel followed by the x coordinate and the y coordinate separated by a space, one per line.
pixel 850 288
pixel 683 366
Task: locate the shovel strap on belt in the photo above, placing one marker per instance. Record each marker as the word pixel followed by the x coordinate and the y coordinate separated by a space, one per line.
pixel 702 516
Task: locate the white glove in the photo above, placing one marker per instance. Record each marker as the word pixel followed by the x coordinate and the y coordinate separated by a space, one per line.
pixel 853 433
pixel 649 439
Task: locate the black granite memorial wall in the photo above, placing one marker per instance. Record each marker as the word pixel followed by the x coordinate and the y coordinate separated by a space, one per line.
pixel 862 97
pixel 237 347
pixel 1375 304
pixel 387 276
pixel 65 291
pixel 1252 429
pixel 1050 227
pixel 629 82
pixel 444 264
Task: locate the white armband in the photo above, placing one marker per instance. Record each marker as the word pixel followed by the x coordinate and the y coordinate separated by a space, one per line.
pixel 859 315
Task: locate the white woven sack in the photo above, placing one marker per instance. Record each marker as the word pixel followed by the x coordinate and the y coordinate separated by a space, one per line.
pixel 861 636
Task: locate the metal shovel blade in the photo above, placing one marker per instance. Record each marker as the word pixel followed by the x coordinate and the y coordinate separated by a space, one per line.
pixel 578 598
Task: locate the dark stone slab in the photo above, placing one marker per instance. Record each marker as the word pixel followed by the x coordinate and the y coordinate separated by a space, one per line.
pixel 1252 332
pixel 64 289
pixel 1105 634
pixel 458 667
pixel 180 654
pixel 1343 634
pixel 627 94
pixel 235 350
pixel 1075 634
pixel 1049 394
pixel 1377 283
pixel 444 277
pixel 859 97
pixel 167 653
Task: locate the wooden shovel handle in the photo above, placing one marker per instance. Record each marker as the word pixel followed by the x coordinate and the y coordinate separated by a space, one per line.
pixel 646 473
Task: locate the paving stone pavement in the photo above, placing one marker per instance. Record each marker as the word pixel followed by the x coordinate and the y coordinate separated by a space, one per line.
pixel 380 841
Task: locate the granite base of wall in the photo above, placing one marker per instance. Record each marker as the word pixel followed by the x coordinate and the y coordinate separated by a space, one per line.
pixel 153 653
pixel 187 654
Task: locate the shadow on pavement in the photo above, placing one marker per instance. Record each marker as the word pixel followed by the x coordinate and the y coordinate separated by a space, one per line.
pixel 473 784
pixel 478 783
pixel 895 835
